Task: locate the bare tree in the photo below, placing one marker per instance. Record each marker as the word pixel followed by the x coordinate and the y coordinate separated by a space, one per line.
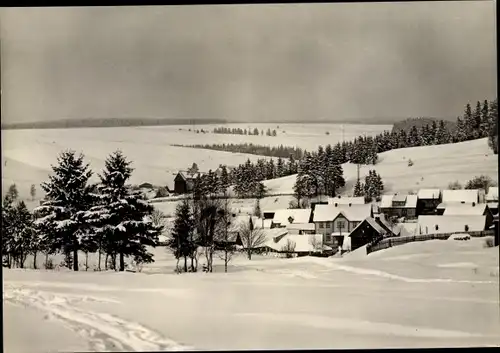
pixel 207 219
pixel 316 244
pixel 288 248
pixel 226 243
pixel 158 218
pixel 251 238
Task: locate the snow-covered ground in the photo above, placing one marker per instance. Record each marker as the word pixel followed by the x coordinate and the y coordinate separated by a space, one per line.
pixel 413 295
pixel 28 154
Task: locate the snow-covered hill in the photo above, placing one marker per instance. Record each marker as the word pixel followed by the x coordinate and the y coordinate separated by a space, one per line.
pixel 433 166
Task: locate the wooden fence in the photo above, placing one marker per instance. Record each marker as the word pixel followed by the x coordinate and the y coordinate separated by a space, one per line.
pixel 385 243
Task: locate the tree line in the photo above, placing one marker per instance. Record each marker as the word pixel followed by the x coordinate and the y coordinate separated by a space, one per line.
pixel 240 131
pixel 108 217
pixel 250 148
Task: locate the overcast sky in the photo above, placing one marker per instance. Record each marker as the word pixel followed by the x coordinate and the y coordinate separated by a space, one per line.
pixel 247 62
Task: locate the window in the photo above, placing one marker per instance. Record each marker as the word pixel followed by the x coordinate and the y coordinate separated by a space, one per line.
pixel 321 225
pixel 328 224
pixel 340 225
pixel 328 238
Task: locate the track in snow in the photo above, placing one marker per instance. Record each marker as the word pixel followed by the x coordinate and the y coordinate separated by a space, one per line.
pixel 104 332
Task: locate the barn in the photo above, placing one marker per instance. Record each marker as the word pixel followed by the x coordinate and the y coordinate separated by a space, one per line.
pixel 367 231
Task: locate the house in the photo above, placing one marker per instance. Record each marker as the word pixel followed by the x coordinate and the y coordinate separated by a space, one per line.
pixel 183 184
pixel 271 238
pixel 428 200
pixel 301 228
pixel 450 224
pixel 399 205
pixel 300 245
pixel 346 200
pixel 283 217
pixel 336 221
pixel 470 210
pixel 492 199
pixel 470 197
pixel 365 232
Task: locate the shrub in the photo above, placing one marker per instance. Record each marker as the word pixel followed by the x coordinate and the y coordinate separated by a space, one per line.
pixel 489 242
pixel 454 186
pixel 480 182
pixel 410 163
pixel 49 264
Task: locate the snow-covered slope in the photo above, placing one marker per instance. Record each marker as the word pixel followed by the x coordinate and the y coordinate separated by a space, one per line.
pixel 434 167
pixel 428 294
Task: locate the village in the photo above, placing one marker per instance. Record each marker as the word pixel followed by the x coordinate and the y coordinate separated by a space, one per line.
pixel 334 226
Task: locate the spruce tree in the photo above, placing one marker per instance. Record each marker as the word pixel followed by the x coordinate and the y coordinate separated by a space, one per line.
pixel 180 243
pixel 122 216
pixel 469 122
pixel 67 194
pixel 485 120
pixel 280 168
pixel 461 131
pixel 359 189
pixel 476 120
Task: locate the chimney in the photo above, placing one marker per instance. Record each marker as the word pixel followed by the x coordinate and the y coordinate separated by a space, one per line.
pixel 473 204
pixel 339 196
pixel 336 204
pixel 462 201
pixel 350 204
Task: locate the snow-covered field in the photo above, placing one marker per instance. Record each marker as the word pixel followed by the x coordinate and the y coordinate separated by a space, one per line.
pixel 414 295
pixel 28 154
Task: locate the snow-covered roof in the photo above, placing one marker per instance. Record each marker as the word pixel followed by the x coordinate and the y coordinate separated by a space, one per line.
pixel 346 200
pixel 267 223
pixel 298 215
pixel 464 209
pixel 300 226
pixel 450 224
pixel 429 194
pixel 460 195
pixel 444 205
pixel 303 243
pixel 409 200
pixel 492 194
pixel 386 201
pixel 242 220
pixel 323 213
pixel 270 235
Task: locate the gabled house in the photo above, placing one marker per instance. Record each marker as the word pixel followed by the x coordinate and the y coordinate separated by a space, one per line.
pixel 428 200
pixel 335 222
pixel 183 183
pixel 492 199
pixel 450 224
pixel 399 205
pixel 299 245
pixel 284 217
pixel 470 210
pixel 369 229
pixel 456 197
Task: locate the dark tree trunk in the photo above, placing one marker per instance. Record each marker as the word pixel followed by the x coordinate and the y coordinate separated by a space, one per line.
pixel 34 259
pixel 46 259
pixel 21 262
pixel 75 259
pixel 86 261
pixel 99 261
pixel 122 262
pixel 113 257
pixel 185 264
pixel 106 262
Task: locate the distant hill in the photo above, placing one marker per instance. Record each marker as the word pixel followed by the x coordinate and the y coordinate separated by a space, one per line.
pixel 107 122
pixel 407 124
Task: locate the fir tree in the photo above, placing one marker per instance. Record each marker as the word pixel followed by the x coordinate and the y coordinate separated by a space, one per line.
pixel 359 189
pixel 123 217
pixel 67 194
pixel 180 243
pixel 493 131
pixel 461 132
pixel 485 124
pixel 271 170
pixel 469 122
pixel 33 192
pixel 280 168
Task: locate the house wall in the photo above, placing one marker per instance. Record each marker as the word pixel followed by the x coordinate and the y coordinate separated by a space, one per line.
pixel 334 227
pixel 362 236
pixel 427 206
pixel 180 186
pixel 400 212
